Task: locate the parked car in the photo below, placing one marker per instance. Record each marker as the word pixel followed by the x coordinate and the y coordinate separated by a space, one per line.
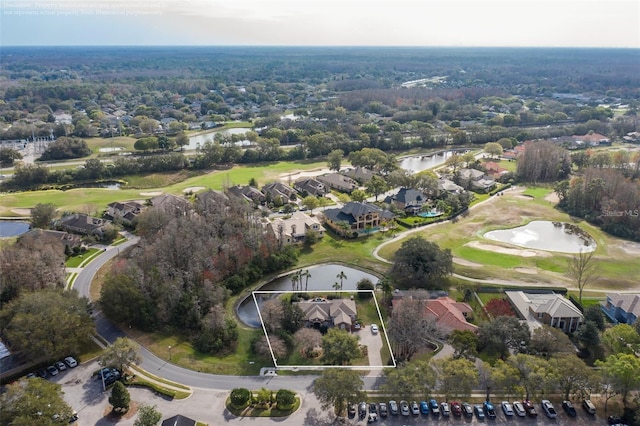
pixel 373 407
pixel 547 406
pixel 383 409
pixel 433 407
pixel 71 362
pixel 373 417
pixel 60 366
pixel 424 407
pixel 73 418
pixel 351 410
pixel 507 408
pixel 52 370
pixel 588 406
pixel 529 408
pixel 374 328
pixel 415 410
pixel 489 410
pixel 42 373
pixel 404 408
pixel 456 409
pixel 362 410
pixel 519 409
pixel 444 409
pixel 614 420
pixel 569 408
pixel 479 411
pixel 393 408
pixel 30 375
pixel 467 409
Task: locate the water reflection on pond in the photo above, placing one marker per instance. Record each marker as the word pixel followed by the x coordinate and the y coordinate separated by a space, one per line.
pixel 12 228
pixel 322 277
pixel 546 235
pixel 422 162
pixel 199 140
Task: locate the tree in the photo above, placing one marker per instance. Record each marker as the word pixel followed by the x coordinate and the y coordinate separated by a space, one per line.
pixel 33 402
pixel 582 269
pixel 543 162
pixel 310 202
pixel 505 376
pixel 594 313
pixel 573 377
pixel 621 338
pixel 148 416
pixel 410 379
pixel 240 397
pixel 455 377
pixel 341 276
pixel 503 334
pixel 336 386
pixel 365 284
pixel 534 373
pixel 120 398
pixel 498 307
pixel 376 186
pixel 588 335
pixel 275 344
pixel 293 318
pixel 49 324
pixel 285 399
pixel 549 341
pixel 358 195
pixel 454 162
pixel 272 313
pixel 409 330
pixel 339 347
pixel 623 372
pixel 494 149
pixel 8 156
pixel 421 264
pixel 308 340
pixel 122 353
pixel 464 343
pixel 334 159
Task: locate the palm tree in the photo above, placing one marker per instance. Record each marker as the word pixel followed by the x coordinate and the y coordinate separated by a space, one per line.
pixel 341 276
pixel 300 279
pixel 307 275
pixel 294 281
pixel 336 286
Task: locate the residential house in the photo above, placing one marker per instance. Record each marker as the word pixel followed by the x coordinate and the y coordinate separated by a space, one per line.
pixel 359 174
pixel 551 309
pixel 354 219
pixel 475 180
pixel 410 200
pixel 249 193
pixel 125 212
pixel 339 313
pixel 494 170
pixel 48 237
pixel 448 186
pixel 278 190
pixel 310 186
pixel 632 137
pixel 592 139
pixel 448 314
pixel 295 228
pixel 83 224
pixel 622 308
pixel 170 202
pixel 338 182
pixel 178 420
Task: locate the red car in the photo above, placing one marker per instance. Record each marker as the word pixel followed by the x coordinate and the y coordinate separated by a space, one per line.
pixel 529 408
pixel 456 409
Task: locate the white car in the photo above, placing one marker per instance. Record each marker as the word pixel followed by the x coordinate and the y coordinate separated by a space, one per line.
pixel 519 409
pixel 547 406
pixel 507 408
pixel 374 328
pixel 71 362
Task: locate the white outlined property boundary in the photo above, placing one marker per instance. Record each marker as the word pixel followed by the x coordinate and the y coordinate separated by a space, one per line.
pixel 323 367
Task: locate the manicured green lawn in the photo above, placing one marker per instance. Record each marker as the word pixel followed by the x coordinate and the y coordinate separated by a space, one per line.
pixel 75 261
pixel 537 192
pixel 255 411
pixel 487 257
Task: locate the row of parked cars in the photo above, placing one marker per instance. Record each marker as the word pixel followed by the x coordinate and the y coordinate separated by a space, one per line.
pixel 55 368
pixel 525 408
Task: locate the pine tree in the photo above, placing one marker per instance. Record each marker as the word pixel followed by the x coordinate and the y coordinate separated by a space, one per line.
pixel 120 398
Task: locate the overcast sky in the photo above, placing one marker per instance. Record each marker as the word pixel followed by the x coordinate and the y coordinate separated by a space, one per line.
pixel 562 23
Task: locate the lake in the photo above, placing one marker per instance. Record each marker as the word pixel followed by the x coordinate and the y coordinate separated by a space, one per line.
pixel 546 235
pixel 12 228
pixel 200 139
pixel 322 278
pixel 422 162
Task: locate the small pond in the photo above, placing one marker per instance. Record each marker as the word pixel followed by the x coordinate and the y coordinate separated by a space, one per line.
pixel 419 163
pixel 322 278
pixel 12 228
pixel 546 235
pixel 199 140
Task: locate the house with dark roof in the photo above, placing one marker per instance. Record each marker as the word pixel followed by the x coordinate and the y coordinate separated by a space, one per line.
pixel 448 186
pixel 408 199
pixel 47 236
pixel 178 420
pixel 355 219
pixel 338 182
pixel 359 174
pixel 622 308
pixel 124 212
pixel 170 202
pixel 475 180
pixel 311 186
pixel 248 193
pixel 83 224
pixel 339 313
pixel 275 190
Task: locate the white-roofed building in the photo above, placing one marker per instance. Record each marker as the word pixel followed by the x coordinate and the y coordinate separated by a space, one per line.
pixel 551 309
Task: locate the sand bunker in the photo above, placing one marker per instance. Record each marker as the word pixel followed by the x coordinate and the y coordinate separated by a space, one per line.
pixel 531 271
pixel 504 250
pixel 552 197
pixel 465 262
pixel 151 194
pixel 630 247
pixel 22 212
pixel 194 189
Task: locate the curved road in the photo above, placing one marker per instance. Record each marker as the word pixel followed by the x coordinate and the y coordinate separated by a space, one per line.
pixel 161 367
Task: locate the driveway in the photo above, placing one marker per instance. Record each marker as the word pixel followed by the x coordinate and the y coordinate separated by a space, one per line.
pixel 374 345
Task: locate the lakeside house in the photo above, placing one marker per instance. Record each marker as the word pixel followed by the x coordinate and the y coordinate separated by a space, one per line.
pixel 354 219
pixel 340 313
pixel 294 229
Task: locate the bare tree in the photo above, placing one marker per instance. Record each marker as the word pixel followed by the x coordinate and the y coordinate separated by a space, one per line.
pixel 582 269
pixel 272 313
pixel 279 348
pixel 308 339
